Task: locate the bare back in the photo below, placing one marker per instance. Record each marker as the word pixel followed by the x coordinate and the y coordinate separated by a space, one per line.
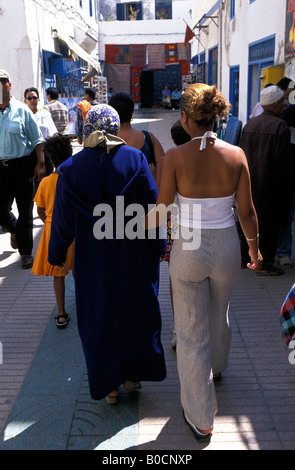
pixel 210 173
pixel 218 171
pixel 133 137
pixel 136 138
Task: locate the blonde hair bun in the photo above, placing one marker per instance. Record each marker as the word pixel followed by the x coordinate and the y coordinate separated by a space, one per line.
pixel 204 103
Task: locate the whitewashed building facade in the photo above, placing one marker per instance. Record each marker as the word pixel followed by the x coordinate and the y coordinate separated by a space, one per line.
pixel 240 45
pixel 49 43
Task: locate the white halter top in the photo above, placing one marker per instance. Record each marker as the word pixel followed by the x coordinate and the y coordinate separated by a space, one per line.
pixel 208 134
pixel 207 213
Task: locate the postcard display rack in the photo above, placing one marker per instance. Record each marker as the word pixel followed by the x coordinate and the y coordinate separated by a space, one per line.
pixel 186 81
pixel 102 89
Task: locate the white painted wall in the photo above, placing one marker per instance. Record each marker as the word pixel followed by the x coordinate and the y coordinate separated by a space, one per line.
pixel 206 41
pixel 252 22
pixel 26 26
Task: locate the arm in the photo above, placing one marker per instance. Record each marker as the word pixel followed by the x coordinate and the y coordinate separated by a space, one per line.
pixel 40 170
pixel 79 126
pixel 159 214
pixel 42 213
pixel 50 125
pixel 36 140
pixel 159 153
pixel 247 214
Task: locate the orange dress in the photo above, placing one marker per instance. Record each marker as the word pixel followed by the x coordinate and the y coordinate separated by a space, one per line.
pixel 45 198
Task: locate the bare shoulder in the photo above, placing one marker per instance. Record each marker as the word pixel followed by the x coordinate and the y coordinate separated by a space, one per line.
pixel 173 158
pixel 232 151
pixel 154 139
pixel 157 145
pixel 173 153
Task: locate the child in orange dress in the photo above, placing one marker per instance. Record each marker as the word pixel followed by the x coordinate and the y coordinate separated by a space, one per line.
pixel 58 148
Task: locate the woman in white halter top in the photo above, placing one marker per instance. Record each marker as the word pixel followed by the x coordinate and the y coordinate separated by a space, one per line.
pixel 206 175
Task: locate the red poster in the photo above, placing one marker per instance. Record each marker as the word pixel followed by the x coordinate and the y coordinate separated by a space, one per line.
pixel 290 28
pixel 135 84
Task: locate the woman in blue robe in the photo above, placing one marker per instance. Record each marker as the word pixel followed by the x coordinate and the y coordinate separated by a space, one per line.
pixel 116 274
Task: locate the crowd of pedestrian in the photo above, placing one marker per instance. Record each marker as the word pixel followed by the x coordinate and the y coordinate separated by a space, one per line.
pixel 82 198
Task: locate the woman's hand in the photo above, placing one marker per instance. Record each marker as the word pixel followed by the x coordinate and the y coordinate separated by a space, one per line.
pixel 255 261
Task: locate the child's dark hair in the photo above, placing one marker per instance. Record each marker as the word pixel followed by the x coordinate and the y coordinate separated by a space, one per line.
pixel 58 148
pixel 178 134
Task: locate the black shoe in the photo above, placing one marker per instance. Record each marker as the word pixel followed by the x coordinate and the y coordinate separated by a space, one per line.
pixel 201 437
pixel 64 323
pixel 217 377
pixel 27 261
pixel 270 270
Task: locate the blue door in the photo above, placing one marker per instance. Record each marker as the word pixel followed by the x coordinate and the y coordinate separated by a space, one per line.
pixel 261 55
pixel 234 90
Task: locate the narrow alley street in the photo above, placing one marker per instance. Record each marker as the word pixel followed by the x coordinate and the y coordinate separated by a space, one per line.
pixel 44 398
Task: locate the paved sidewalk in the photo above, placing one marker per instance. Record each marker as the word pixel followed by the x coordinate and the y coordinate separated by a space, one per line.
pixel 44 398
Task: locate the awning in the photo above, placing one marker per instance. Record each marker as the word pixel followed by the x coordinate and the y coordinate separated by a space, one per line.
pixel 80 51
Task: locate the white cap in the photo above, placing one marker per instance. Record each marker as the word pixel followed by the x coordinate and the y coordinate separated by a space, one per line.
pixel 4 74
pixel 271 95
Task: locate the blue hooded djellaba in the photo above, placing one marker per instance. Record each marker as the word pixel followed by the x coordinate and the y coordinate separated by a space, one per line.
pixel 116 278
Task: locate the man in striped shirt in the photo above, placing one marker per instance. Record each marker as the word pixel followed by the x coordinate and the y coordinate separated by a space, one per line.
pixel 58 111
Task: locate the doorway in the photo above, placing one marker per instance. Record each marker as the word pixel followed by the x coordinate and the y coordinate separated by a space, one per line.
pixel 147 88
pixel 234 90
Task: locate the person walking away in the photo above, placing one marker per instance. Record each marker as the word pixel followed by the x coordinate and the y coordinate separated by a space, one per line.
pixel 284 248
pixel 145 141
pixel 266 143
pixel 58 111
pixel 83 108
pixel 118 311
pixel 58 148
pixel 258 109
pixel 206 175
pixel 21 163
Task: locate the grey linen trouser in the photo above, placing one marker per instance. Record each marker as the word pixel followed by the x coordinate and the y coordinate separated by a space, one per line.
pixel 202 283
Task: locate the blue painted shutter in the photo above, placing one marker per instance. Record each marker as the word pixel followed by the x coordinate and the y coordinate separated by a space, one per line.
pixel 138 6
pixel 120 12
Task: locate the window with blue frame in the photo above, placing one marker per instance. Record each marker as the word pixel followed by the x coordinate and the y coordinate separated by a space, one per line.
pixel 232 8
pixel 128 11
pixel 200 67
pixel 163 9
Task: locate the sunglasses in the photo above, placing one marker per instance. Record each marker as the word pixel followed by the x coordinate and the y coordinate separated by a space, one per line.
pixel 32 98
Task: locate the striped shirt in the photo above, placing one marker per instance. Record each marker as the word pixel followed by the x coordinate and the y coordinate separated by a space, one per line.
pixel 59 114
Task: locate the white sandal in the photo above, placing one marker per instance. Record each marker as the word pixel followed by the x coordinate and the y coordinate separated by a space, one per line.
pixel 285 262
